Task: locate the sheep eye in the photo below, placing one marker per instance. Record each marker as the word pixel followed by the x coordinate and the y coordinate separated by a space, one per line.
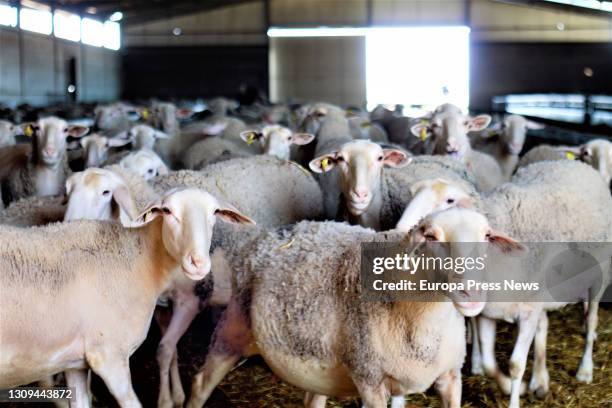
pixel 150 171
pixel 106 192
pixel 431 237
pixel 340 159
pixel 488 236
pixel 380 158
pixel 65 130
pixel 166 210
pixel 289 138
pixel 450 201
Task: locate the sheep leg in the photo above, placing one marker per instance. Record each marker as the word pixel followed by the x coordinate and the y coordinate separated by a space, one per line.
pixel 585 371
pixel 114 369
pixel 448 386
pixel 398 401
pixel 539 378
pixel 231 340
pixel 372 396
pixel 477 368
pixel 527 326
pixel 77 379
pixel 312 400
pixel 184 311
pixel 51 382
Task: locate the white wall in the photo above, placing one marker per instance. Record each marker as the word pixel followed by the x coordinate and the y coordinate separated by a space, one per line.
pixel 43 77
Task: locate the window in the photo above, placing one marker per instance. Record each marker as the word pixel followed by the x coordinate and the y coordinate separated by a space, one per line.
pixel 67 26
pixel 419 67
pixel 38 21
pixel 112 35
pixel 92 32
pixel 8 16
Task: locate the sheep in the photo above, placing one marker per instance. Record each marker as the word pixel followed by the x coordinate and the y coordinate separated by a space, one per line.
pixel 449 131
pixel 41 170
pixel 8 131
pixel 272 191
pixel 213 150
pixel 375 198
pixel 107 267
pixel 33 211
pixel 505 142
pixel 598 153
pixel 96 148
pixel 113 118
pixel 276 140
pixel 145 163
pixel 260 185
pixel 534 208
pixel 546 153
pixel 362 128
pixel 143 136
pixel 296 299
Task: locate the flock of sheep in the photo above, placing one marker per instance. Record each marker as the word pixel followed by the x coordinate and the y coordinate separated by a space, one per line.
pixel 137 226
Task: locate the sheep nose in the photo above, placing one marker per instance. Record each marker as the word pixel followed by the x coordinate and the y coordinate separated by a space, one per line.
pixel 49 151
pixel 197 261
pixel 360 193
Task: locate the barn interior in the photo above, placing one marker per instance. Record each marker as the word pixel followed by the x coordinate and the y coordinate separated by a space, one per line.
pixel 264 62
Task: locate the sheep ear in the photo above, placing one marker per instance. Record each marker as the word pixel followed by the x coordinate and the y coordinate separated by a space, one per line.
pixel 422 131
pixel 323 163
pixel 125 201
pixel 479 123
pixel 249 136
pixel 229 213
pixel 419 185
pixel 117 141
pixel 152 212
pixel 506 244
pixel 395 158
pixel 492 131
pixel 535 125
pixel 214 129
pixel 302 138
pixel 77 130
pixel 184 113
pixel 161 135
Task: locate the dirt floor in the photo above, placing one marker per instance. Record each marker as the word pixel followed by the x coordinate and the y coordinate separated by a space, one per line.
pixel 253 385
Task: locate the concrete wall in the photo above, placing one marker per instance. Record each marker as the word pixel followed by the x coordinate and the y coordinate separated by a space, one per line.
pixel 39 75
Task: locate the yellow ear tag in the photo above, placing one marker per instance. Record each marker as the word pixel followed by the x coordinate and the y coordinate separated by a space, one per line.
pixel 28 131
pixel 570 156
pixel 366 124
pixel 251 138
pixel 325 164
pixel 423 134
pixel 145 114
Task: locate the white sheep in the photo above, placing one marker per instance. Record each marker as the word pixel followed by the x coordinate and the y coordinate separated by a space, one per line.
pixel 8 131
pixel 276 140
pixel 145 163
pixel 41 169
pixel 546 152
pixel 213 150
pixel 373 197
pixel 505 141
pixel 534 208
pixel 103 267
pixel 449 131
pixel 297 299
pixel 273 191
pixel 33 211
pixel 96 148
pixel 114 118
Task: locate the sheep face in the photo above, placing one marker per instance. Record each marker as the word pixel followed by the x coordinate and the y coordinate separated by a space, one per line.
pixel 98 194
pixel 598 153
pixel 145 163
pixel 360 163
pixel 189 216
pixel 430 196
pixel 455 227
pixel 110 116
pixel 276 140
pixel 96 148
pixel 449 130
pixel 143 136
pixel 49 137
pixel 8 131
